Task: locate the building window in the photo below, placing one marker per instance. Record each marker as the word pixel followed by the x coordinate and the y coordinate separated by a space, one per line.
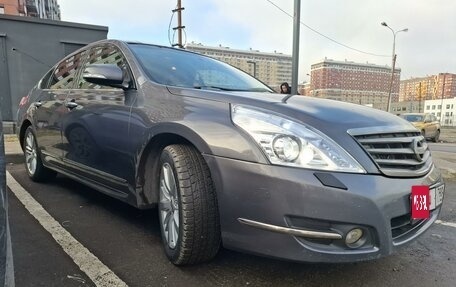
pixel 2 9
pixel 439 107
pixel 447 106
pixel 428 107
pixel 433 107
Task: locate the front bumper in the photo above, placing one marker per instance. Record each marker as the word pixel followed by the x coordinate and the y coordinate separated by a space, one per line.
pixel 264 208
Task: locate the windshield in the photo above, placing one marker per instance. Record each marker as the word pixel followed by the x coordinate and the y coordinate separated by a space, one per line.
pixel 413 118
pixel 173 67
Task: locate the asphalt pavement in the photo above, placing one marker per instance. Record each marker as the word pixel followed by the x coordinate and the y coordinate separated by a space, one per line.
pixel 128 242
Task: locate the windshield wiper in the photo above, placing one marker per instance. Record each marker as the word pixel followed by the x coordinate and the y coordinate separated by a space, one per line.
pixel 218 88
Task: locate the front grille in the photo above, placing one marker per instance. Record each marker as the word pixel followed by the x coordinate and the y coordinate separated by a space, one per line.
pixel 402 227
pixel 404 154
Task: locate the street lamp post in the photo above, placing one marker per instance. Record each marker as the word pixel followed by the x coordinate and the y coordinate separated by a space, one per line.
pixel 443 94
pixel 393 64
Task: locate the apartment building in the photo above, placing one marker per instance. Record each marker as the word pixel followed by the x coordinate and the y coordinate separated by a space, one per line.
pixel 366 84
pixel 44 9
pixel 444 109
pixel 431 87
pixel 271 68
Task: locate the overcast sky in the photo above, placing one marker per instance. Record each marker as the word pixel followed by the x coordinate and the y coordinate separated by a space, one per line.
pixel 429 47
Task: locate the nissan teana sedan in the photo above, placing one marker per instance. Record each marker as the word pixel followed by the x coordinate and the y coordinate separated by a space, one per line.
pixel 227 162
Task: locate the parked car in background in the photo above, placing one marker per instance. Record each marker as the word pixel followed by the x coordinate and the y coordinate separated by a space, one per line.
pixel 428 124
pixel 224 159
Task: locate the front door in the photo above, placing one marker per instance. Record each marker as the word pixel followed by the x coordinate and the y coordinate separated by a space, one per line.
pixel 50 108
pixel 95 133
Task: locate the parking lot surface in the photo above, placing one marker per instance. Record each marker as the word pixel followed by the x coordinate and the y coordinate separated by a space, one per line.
pixel 127 241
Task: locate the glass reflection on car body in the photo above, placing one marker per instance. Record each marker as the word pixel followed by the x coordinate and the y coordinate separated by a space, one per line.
pixel 190 70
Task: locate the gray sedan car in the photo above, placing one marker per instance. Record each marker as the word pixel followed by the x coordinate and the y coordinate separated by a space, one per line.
pixel 224 159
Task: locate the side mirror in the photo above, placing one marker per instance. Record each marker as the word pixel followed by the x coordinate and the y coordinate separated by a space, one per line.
pixel 105 75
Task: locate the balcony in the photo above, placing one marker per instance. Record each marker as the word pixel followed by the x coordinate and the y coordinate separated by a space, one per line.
pixel 31 6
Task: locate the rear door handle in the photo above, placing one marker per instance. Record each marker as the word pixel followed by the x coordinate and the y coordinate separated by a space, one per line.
pixel 71 105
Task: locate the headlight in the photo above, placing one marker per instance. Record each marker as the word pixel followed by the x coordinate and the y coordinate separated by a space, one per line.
pixel 288 143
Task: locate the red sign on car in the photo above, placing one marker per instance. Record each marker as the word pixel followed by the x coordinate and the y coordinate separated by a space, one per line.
pixel 420 202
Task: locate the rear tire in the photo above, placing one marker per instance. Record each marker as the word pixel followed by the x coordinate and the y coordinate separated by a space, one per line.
pixel 33 164
pixel 188 210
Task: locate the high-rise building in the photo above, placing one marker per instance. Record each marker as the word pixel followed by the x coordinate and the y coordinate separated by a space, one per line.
pixel 45 9
pixel 432 87
pixel 366 84
pixel 271 68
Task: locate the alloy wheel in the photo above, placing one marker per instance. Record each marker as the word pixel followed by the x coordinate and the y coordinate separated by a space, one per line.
pixel 30 153
pixel 169 205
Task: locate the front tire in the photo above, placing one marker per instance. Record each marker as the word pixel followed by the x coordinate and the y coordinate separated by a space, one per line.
pixel 437 136
pixel 188 210
pixel 33 164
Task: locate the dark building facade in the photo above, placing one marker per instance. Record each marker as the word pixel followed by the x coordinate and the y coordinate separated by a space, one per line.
pixel 366 84
pixel 29 47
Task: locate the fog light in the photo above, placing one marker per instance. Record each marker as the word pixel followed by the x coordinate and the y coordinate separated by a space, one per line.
pixel 353 236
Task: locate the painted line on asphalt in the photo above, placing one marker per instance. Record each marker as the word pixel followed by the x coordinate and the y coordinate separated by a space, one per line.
pixel 446 223
pixel 99 273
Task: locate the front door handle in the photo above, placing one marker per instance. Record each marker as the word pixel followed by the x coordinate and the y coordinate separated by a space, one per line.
pixel 71 105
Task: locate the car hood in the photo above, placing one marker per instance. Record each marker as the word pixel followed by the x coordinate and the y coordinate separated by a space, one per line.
pixel 338 120
pixel 326 115
pixel 417 124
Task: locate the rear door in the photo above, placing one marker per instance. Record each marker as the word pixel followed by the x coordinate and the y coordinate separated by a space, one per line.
pixel 95 133
pixel 50 109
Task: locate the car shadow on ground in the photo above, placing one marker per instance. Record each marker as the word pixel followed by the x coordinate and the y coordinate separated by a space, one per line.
pixel 147 222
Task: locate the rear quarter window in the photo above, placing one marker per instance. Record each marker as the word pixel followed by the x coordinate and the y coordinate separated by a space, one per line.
pixel 44 82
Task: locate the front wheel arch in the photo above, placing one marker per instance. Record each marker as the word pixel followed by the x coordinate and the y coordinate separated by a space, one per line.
pixel 147 170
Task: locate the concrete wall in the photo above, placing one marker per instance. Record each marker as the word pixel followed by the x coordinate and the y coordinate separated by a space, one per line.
pixel 29 47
